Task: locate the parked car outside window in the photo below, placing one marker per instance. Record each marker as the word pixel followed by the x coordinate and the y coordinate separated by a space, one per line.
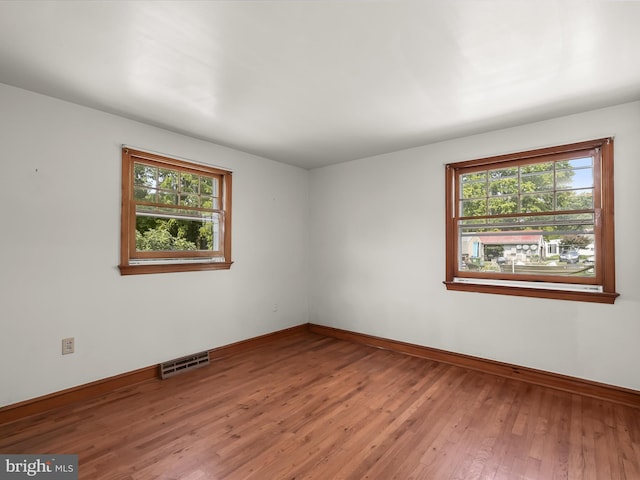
pixel 569 256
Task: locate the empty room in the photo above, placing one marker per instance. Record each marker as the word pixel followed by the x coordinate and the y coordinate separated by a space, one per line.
pixel 297 239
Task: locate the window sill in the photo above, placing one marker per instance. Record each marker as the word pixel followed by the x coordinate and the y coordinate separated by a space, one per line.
pixel 141 269
pixel 580 296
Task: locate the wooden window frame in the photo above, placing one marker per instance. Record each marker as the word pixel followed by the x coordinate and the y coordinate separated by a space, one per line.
pixel 459 280
pixel 178 261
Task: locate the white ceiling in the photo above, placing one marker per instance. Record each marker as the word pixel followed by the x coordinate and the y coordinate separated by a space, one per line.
pixel 313 83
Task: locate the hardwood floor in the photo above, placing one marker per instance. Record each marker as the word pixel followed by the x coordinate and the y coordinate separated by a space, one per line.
pixel 312 407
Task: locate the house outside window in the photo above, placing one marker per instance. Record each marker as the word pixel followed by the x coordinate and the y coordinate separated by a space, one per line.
pixel 176 215
pixel 536 223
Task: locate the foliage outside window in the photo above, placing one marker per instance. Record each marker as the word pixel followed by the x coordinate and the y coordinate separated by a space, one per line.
pixel 176 215
pixel 536 223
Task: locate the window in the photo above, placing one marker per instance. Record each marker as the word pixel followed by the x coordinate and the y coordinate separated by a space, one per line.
pixel 176 215
pixel 536 223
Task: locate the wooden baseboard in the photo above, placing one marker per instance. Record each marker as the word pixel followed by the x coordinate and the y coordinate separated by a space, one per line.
pixel 41 404
pixel 44 403
pixel 538 377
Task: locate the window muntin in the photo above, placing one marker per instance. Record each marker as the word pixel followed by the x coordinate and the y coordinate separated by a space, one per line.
pixel 175 215
pixel 543 216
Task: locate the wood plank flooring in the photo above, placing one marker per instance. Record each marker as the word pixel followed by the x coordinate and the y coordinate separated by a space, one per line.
pixel 312 407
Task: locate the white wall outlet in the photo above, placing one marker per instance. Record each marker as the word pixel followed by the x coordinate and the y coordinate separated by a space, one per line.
pixel 68 345
pixel 275 307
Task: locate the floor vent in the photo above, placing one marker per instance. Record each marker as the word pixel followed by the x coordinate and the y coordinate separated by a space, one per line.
pixel 183 364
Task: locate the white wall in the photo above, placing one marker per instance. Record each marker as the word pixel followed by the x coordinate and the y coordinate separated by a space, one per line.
pixel 377 237
pixel 60 211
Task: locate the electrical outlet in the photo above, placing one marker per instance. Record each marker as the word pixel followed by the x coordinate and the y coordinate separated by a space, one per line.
pixel 68 345
pixel 275 307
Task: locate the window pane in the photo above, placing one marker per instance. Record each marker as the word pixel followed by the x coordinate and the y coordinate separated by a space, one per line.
pixel 167 198
pixel 166 229
pixel 472 208
pixel 189 200
pixel 212 203
pixel 536 168
pixel 571 179
pixel 503 173
pixel 503 186
pixel 536 182
pixel 474 188
pixel 168 179
pixel 581 162
pixel 564 250
pixel 144 175
pixel 582 178
pixel 574 179
pixel 503 205
pixel 145 194
pixel 573 174
pixel 474 177
pixel 209 192
pixel 575 200
pixel 206 185
pixel 538 202
pixel 189 183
